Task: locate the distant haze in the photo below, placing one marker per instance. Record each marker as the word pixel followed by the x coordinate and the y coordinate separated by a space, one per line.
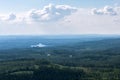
pixel 14 42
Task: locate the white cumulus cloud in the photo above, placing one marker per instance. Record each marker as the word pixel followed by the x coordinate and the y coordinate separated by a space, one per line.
pixel 107 10
pixel 11 17
pixel 50 13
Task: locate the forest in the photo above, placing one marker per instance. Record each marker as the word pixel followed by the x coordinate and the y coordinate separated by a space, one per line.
pixel 91 60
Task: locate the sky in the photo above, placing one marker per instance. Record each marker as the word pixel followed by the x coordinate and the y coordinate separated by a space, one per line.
pixel 59 17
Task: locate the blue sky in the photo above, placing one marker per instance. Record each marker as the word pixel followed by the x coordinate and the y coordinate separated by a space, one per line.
pixel 58 17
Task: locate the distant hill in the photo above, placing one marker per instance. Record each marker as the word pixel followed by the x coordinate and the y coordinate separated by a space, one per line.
pixel 96 45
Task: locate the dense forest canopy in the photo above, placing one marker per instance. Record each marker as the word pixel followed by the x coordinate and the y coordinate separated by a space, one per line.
pixel 75 60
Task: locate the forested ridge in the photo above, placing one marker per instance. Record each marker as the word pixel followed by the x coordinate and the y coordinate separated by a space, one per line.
pixel 92 60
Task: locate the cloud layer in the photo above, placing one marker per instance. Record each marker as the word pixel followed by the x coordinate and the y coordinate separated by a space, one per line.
pixel 51 13
pixel 48 13
pixel 62 19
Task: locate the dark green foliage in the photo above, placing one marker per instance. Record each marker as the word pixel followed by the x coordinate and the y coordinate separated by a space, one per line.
pixel 42 71
pixel 94 60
